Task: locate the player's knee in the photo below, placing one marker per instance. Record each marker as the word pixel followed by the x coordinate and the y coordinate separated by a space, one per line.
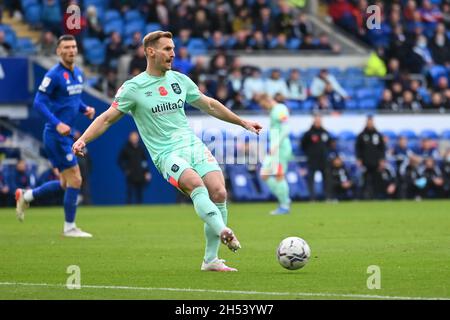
pixel 75 182
pixel 218 195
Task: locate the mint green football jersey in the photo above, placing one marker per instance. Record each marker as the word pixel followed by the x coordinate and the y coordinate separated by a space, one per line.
pixel 157 107
pixel 279 130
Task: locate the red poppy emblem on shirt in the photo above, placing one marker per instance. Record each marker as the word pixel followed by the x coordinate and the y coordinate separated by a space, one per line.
pixel 163 91
pixel 66 75
pixel 315 138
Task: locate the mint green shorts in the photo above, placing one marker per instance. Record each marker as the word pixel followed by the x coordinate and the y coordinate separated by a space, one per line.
pixel 197 158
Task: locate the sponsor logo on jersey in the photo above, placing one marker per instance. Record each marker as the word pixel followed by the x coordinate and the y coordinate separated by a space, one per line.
pixel 168 107
pixel 148 94
pixel 75 89
pixel 162 91
pixel 176 88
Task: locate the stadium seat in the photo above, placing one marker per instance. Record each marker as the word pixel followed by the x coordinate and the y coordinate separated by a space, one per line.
pixel 111 15
pixel 132 15
pixel 428 134
pixel 243 186
pixel 293 44
pixel 150 27
pixel 132 27
pixel 25 46
pixel 368 104
pixel 438 71
pixel 390 134
pixel 196 46
pixel 409 134
pixel 445 135
pixel 10 35
pixel 96 53
pixel 33 14
pixel 364 93
pixel 113 25
pixel 347 135
pixel 351 104
pixel 28 3
pixel 298 188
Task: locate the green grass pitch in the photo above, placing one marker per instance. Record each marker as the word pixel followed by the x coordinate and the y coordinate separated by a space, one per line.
pixel 155 252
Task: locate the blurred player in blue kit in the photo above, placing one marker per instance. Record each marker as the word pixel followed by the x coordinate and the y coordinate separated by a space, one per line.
pixel 58 100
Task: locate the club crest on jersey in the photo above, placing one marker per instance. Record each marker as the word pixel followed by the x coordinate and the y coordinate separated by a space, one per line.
pixel 162 91
pixel 176 88
pixel 80 78
pixel 175 168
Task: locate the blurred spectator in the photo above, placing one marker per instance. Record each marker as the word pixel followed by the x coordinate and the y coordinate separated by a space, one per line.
pixel 182 19
pixel 315 144
pixel 437 102
pixel 446 172
pixel 236 80
pixel 423 56
pixel 254 85
pixel 201 25
pixel 218 64
pixel 5 195
pixel 397 92
pixel 199 71
pixel 326 84
pixel 323 103
pixel 434 186
pixel 223 94
pixel 297 89
pixel 415 88
pixel 440 46
pixel 387 102
pixel 280 42
pixel 51 16
pixel 401 152
pixel 308 43
pixel 427 149
pixel 182 61
pixel 108 84
pixel 408 102
pixel 258 42
pixel 264 22
pixel 23 178
pixel 221 18
pixel 133 162
pixel 136 42
pixel 375 66
pixel 369 149
pixel 340 181
pixel 218 41
pixel 5 48
pixel 430 13
pixel 94 26
pixel 237 102
pixel 242 21
pixel 412 182
pixel 276 84
pixel 442 84
pixel 114 50
pixel 47 44
pixel 324 44
pixel 285 19
pixel 301 26
pixel 242 42
pixel 385 183
pixel 162 14
pixel 183 38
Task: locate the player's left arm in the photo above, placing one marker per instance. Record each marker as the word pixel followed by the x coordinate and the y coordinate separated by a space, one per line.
pixel 219 111
pixel 88 111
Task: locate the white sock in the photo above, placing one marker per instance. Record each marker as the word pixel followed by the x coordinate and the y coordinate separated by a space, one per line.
pixel 69 225
pixel 28 195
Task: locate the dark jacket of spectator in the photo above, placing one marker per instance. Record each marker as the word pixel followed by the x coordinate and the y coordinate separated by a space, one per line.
pixel 370 147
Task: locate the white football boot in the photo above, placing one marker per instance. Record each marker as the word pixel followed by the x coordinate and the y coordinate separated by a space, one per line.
pixel 217 265
pixel 76 233
pixel 21 204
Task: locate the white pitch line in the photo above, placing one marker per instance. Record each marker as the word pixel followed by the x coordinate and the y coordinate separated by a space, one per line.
pixel 293 294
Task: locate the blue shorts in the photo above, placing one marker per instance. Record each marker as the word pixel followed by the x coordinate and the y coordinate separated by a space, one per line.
pixel 59 150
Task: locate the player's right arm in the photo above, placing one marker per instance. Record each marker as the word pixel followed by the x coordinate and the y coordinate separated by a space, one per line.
pixel 42 102
pixel 96 129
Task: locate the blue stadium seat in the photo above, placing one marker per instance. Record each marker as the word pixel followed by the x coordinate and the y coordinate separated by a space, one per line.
pixel 25 46
pixel 364 93
pixel 243 186
pixel 150 27
pixel 409 134
pixel 197 46
pixel 347 135
pixel 368 104
pixel 351 104
pixel 132 15
pixel 352 71
pixel 111 15
pixel 428 134
pixel 100 4
pixel 132 27
pixel 390 134
pixel 445 135
pixel 96 53
pixel 298 188
pixel 28 3
pixel 292 104
pixel 294 43
pixel 438 71
pixel 113 25
pixel 33 14
pixel 10 35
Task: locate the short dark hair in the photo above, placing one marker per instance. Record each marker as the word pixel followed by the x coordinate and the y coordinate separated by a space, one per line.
pixel 65 37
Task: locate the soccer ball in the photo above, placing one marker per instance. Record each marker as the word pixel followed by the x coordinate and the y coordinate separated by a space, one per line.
pixel 293 253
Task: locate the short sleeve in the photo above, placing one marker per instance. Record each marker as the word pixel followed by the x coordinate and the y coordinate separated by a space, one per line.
pixel 48 84
pixel 281 115
pixel 124 100
pixel 192 91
